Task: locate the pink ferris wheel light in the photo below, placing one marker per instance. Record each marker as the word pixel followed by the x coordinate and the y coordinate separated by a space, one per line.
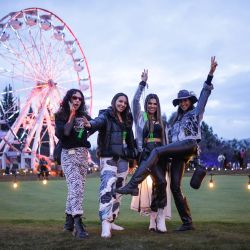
pixel 42 58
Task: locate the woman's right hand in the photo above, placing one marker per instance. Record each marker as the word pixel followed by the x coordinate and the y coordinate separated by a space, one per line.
pixel 72 110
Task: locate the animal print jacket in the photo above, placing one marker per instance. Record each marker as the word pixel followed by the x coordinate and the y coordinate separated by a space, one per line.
pixel 187 126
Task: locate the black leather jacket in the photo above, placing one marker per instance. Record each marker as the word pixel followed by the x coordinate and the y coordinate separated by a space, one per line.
pixel 110 137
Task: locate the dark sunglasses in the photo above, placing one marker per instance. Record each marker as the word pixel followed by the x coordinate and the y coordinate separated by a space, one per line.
pixel 76 97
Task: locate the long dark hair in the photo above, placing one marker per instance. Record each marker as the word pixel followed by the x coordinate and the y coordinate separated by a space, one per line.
pixel 157 115
pixel 180 112
pixel 64 110
pixel 126 114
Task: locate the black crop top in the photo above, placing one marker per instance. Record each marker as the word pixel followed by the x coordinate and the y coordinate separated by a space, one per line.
pixel 157 131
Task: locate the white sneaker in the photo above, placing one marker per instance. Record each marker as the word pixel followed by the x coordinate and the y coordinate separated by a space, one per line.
pixel 152 222
pixel 106 229
pixel 160 221
pixel 116 227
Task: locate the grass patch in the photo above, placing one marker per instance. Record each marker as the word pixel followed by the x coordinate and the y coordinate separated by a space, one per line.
pixel 32 217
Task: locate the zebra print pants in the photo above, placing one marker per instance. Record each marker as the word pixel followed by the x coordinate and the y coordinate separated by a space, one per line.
pixel 113 175
pixel 75 165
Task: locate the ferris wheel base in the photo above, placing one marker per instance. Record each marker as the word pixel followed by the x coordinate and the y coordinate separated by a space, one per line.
pixel 23 160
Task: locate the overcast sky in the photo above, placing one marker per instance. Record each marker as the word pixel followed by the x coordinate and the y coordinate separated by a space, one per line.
pixel 174 40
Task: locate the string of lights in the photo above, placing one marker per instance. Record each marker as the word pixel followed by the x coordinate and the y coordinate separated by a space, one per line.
pixel 30 174
pixel 16 183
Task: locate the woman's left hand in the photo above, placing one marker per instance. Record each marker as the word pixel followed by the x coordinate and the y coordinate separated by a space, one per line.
pixel 144 75
pixel 213 66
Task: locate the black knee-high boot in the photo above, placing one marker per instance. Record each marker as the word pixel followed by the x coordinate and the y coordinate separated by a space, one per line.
pixel 185 215
pixel 177 171
pixel 159 200
pixel 132 186
pixel 177 149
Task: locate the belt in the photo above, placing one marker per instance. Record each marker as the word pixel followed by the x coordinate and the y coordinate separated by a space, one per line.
pixel 147 140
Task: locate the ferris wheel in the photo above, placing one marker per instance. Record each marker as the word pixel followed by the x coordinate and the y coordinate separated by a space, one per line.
pixel 41 58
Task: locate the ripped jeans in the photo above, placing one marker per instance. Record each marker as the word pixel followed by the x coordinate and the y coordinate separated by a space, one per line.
pixel 113 176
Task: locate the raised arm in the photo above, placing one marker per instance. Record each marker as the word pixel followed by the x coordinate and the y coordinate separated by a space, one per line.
pixel 136 107
pixel 95 124
pixel 206 90
pixel 213 66
pixel 70 123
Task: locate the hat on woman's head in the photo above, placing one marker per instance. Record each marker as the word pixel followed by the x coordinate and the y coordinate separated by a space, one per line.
pixel 185 94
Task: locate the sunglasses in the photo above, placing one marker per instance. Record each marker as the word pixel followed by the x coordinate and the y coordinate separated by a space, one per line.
pixel 76 97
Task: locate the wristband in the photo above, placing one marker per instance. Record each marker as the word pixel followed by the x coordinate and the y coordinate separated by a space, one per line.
pixel 209 79
pixel 143 83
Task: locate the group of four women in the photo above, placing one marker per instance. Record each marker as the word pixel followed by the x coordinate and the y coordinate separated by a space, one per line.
pixel 162 150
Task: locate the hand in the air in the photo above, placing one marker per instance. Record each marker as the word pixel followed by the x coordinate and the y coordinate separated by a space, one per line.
pixel 144 75
pixel 213 66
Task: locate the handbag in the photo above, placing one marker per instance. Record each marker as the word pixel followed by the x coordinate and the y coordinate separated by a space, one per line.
pixel 57 152
pixel 198 177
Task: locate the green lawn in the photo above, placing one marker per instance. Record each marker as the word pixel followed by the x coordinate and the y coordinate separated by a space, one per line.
pixel 32 216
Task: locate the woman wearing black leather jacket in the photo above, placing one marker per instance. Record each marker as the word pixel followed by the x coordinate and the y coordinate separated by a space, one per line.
pixel 184 134
pixel 115 147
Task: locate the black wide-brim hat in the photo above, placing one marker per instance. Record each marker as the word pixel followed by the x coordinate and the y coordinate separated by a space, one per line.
pixel 185 94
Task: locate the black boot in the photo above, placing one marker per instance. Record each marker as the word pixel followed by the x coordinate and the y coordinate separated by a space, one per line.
pixel 69 223
pixel 79 231
pixel 183 149
pixel 132 186
pixel 185 215
pixel 177 172
pixel 186 227
pixel 159 195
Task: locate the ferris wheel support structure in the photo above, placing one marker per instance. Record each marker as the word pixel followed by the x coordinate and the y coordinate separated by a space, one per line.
pixel 35 125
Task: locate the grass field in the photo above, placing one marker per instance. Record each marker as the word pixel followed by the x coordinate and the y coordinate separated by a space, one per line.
pixel 32 217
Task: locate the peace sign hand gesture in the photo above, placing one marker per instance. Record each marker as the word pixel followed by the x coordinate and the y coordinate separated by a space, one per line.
pixel 213 66
pixel 144 75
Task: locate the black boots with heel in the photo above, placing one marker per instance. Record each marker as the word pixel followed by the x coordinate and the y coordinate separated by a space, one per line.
pixel 180 149
pixel 79 230
pixel 132 187
pixel 69 223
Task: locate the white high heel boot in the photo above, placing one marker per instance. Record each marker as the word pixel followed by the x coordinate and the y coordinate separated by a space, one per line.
pixel 116 227
pixel 106 229
pixel 152 222
pixel 160 221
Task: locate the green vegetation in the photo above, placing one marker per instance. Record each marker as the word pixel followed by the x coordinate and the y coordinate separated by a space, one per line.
pixel 32 217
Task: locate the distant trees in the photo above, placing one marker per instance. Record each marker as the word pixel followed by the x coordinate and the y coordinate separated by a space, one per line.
pixel 211 146
pixel 9 108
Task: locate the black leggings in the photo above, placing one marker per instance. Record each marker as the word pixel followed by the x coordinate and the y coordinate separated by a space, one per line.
pixel 159 195
pixel 158 175
pixel 180 152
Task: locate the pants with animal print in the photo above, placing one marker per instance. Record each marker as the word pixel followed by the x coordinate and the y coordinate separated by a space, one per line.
pixel 113 175
pixel 75 165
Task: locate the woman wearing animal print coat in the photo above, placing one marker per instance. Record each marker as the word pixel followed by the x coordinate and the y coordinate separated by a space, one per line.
pixel 74 157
